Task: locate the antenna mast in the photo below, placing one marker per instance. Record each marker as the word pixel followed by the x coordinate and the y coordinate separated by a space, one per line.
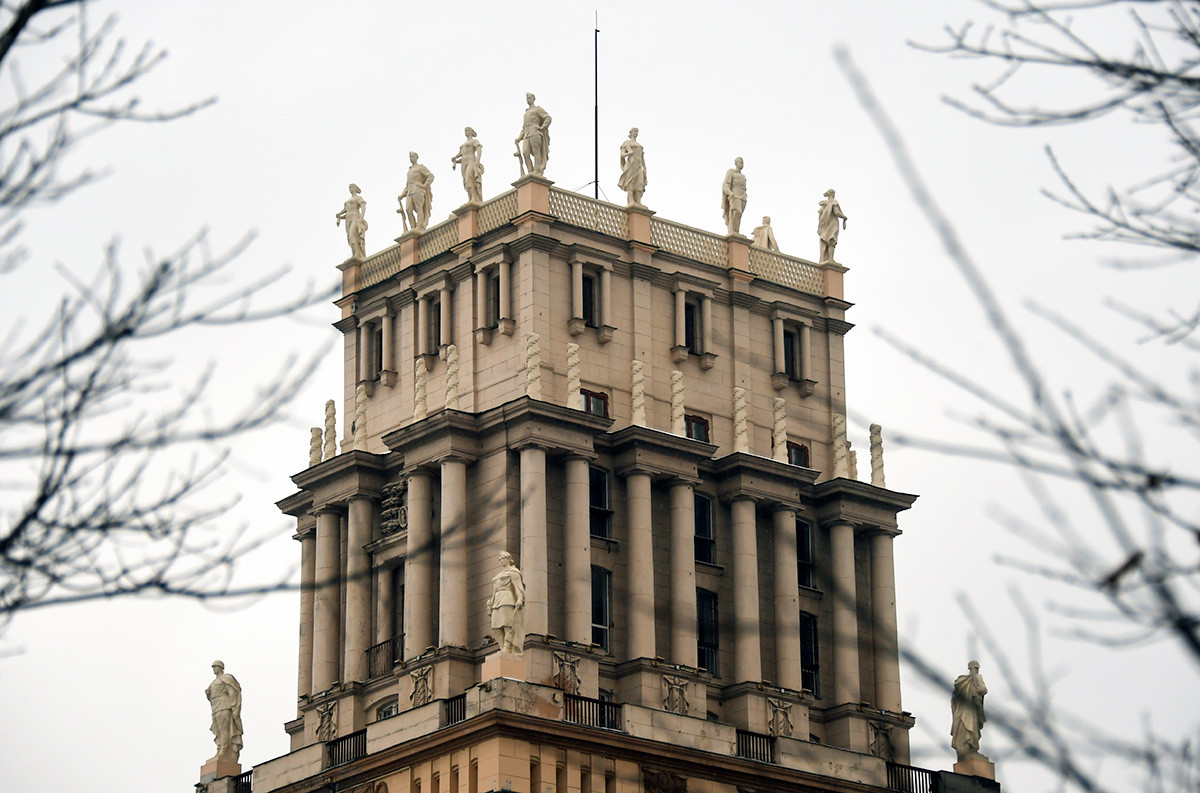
pixel 596 94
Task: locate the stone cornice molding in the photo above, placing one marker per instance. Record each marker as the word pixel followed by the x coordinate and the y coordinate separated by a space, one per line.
pixel 297 504
pixel 837 303
pixel 766 481
pixel 346 324
pixel 334 481
pixel 534 241
pixel 859 504
pixel 643 272
pixel 588 255
pixel 839 326
pixel 661 454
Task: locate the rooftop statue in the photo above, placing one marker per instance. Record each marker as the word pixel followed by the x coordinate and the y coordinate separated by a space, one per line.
pixel 966 709
pixel 354 213
pixel 472 169
pixel 764 236
pixel 633 169
pixel 733 197
pixel 533 144
pixel 225 696
pixel 507 607
pixel 417 198
pixel 827 224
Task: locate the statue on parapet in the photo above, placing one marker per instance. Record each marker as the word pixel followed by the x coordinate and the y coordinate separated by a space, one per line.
pixel 225 696
pixel 828 214
pixel 354 212
pixel 633 169
pixel 533 144
pixel 507 607
pixel 764 236
pixel 966 710
pixel 417 198
pixel 468 157
pixel 733 197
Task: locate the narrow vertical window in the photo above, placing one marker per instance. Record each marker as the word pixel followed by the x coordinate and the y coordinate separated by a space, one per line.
pixel 707 634
pixel 591 301
pixel 433 338
pixel 706 542
pixel 599 503
pixel 791 353
pixel 691 328
pixel 492 300
pixel 601 606
pixel 377 352
pixel 809 667
pixel 804 554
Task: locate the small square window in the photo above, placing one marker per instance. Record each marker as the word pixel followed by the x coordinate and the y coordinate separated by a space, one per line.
pixel 696 428
pixel 594 402
pixel 797 454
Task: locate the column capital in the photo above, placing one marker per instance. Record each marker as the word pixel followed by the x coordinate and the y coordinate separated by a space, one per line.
pixel 328 509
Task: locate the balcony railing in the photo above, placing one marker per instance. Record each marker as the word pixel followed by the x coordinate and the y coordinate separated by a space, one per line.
pixel 242 782
pixel 454 710
pixel 348 748
pixel 592 712
pixel 754 746
pixel 910 779
pixel 384 656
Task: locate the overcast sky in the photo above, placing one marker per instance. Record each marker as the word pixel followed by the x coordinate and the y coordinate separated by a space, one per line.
pixel 313 95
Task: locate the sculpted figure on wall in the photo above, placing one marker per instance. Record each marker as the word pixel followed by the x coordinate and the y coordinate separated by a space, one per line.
pixel 224 695
pixel 764 236
pixel 534 141
pixel 507 607
pixel 966 709
pixel 733 197
pixel 469 154
pixel 417 198
pixel 354 212
pixel 633 169
pixel 828 214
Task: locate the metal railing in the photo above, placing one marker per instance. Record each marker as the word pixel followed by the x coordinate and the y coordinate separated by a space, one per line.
pixel 383 656
pixel 454 710
pixel 910 779
pixel 592 712
pixel 242 782
pixel 348 748
pixel 754 746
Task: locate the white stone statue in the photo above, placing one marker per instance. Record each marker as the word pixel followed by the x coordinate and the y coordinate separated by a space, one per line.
pixel 733 197
pixel 633 169
pixel 534 141
pixel 468 157
pixel 354 212
pixel 225 696
pixel 417 198
pixel 827 224
pixel 966 709
pixel 764 236
pixel 507 607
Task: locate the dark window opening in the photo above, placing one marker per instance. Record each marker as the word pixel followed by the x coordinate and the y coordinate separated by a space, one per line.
pixel 797 454
pixel 707 641
pixel 594 402
pixel 804 554
pixel 599 503
pixel 591 302
pixel 492 300
pixel 809 668
pixel 601 606
pixel 706 543
pixel 691 328
pixel 696 428
pixel 434 331
pixel 791 354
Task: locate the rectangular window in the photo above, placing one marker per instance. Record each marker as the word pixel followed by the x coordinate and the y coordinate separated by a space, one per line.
pixel 594 402
pixel 706 543
pixel 804 554
pixel 433 338
pixel 797 454
pixel 492 297
pixel 809 668
pixel 599 503
pixel 707 636
pixel 791 354
pixel 601 606
pixel 696 428
pixel 691 328
pixel 591 301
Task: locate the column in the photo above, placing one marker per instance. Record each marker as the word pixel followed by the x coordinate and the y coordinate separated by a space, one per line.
pixel 576 289
pixel 505 293
pixel 706 326
pixel 453 535
pixel 533 538
pixel 358 588
pixel 308 562
pixel 606 297
pixel 747 659
pixel 883 607
pixel 364 352
pixel 422 345
pixel 680 326
pixel 787 601
pixel 640 617
pixel 578 542
pixel 418 567
pixel 481 312
pixel 385 603
pixel 327 600
pixel 447 332
pixel 683 574
pixel 805 353
pixel 845 616
pixel 777 328
pixel 389 341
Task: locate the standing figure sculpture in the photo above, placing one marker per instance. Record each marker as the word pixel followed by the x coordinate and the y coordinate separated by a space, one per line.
pixel 472 169
pixel 966 709
pixel 533 144
pixel 507 607
pixel 417 198
pixel 225 696
pixel 354 212
pixel 633 169
pixel 764 236
pixel 827 224
pixel 733 197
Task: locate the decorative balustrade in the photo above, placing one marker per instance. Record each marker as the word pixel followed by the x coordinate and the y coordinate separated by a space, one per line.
pixel 592 712
pixel 382 657
pixel 588 213
pixel 787 270
pixel 910 779
pixel 755 746
pixel 495 213
pixel 380 266
pixel 438 239
pixel 687 241
pixel 348 748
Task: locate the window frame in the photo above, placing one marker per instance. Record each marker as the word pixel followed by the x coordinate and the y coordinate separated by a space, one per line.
pixel 800 450
pixel 588 398
pixel 599 514
pixel 806 573
pixel 810 653
pixel 491 298
pixel 693 330
pixel 691 420
pixel 589 287
pixel 705 536
pixel 792 365
pixel 602 602
pixel 708 631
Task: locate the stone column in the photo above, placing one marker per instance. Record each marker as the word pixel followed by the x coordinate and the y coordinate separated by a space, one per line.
pixel 805 353
pixel 358 588
pixel 883 607
pixel 706 327
pixel 419 570
pixel 327 600
pixel 747 658
pixel 683 574
pixel 422 326
pixel 777 328
pixel 364 352
pixel 308 572
pixel 680 325
pixel 505 293
pixel 533 539
pixel 447 332
pixel 576 289
pixel 578 542
pixel 389 341
pixel 452 595
pixel 385 603
pixel 641 566
pixel 847 686
pixel 606 297
pixel 787 601
pixel 481 313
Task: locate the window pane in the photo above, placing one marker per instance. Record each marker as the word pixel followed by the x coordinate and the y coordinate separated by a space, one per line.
pixel 691 328
pixel 598 501
pixel 707 643
pixel 791 354
pixel 804 554
pixel 706 546
pixel 809 654
pixel 601 605
pixel 590 313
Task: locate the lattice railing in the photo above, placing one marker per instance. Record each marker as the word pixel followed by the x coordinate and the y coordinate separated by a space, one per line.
pixel 689 242
pixel 910 779
pixel 381 266
pixel 497 212
pixel 787 270
pixel 438 239
pixel 588 213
